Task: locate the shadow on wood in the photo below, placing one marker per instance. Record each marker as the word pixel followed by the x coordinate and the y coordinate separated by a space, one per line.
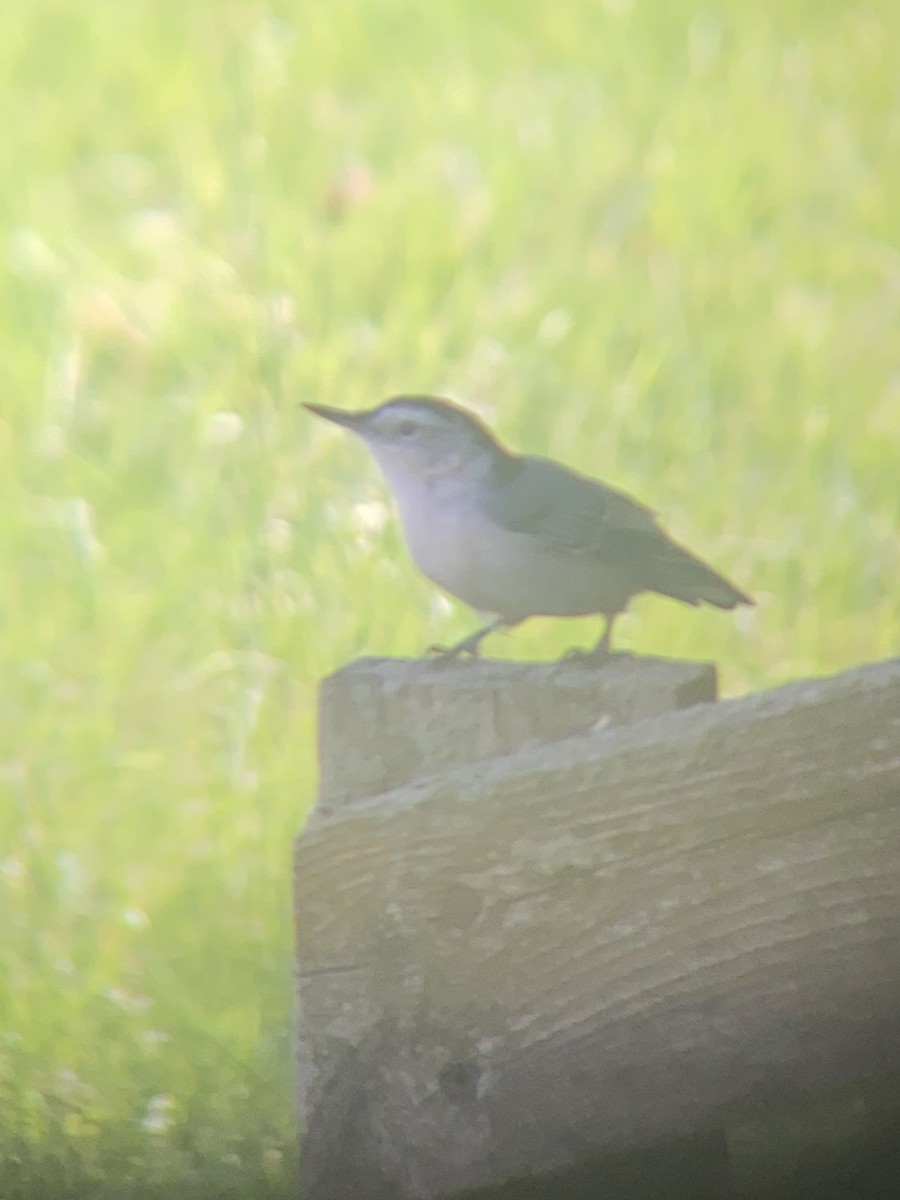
pixel 563 937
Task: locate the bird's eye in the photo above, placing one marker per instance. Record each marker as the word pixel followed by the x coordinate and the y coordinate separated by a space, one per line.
pixel 406 428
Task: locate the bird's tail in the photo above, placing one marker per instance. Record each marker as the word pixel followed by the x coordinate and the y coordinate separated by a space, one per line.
pixel 683 576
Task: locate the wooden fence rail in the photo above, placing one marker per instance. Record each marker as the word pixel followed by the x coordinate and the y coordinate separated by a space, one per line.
pixel 550 913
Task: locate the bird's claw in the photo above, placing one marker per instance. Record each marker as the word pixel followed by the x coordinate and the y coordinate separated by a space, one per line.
pixel 453 653
pixel 597 656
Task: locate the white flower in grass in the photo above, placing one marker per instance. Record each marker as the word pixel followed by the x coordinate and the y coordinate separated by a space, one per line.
pixel 222 428
pixel 159 1114
pixel 152 1038
pixel 136 918
pixel 128 1001
pixel 154 228
pixel 369 519
pixel 282 310
pixel 279 535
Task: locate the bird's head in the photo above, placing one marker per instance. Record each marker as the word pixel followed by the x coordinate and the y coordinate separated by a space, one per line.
pixel 419 437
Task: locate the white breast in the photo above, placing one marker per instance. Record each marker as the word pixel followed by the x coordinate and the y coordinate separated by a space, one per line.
pixel 442 535
pixel 488 566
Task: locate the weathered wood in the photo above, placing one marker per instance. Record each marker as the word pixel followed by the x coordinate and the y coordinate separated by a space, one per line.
pixel 844 1146
pixel 385 721
pixel 581 946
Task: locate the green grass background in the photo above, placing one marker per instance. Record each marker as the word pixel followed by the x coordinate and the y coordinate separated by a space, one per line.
pixel 658 241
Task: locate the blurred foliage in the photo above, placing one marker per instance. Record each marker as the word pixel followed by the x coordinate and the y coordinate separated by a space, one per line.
pixel 659 242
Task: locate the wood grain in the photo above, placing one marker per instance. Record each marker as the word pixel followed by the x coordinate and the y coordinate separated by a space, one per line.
pixel 579 946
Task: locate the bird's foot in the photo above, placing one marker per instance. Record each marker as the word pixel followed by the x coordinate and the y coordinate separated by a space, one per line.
pixel 467 648
pixel 601 655
pixel 597 656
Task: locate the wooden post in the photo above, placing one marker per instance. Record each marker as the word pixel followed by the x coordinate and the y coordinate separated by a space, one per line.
pixel 529 934
pixel 384 722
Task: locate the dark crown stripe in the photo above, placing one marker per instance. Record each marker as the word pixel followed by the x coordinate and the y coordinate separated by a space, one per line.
pixel 447 411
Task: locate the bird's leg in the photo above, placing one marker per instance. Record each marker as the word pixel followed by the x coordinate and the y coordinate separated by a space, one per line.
pixel 470 645
pixel 603 648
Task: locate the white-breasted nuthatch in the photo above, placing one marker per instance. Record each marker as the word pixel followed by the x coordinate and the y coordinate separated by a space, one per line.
pixel 518 536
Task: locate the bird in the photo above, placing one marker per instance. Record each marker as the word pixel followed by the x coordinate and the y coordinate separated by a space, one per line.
pixel 517 535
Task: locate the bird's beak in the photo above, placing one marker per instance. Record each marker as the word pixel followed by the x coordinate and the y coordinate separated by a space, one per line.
pixel 339 416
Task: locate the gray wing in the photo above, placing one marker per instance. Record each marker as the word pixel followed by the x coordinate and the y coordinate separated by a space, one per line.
pixel 570 513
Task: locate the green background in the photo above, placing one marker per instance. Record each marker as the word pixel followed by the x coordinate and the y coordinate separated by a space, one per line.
pixel 657 241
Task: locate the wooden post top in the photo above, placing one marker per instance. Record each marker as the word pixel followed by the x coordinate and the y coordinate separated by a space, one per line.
pixel 386 721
